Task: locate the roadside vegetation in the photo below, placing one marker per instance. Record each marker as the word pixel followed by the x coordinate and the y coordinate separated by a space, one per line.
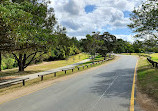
pixel 147 78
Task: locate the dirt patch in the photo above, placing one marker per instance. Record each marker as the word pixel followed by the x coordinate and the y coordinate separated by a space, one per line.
pixel 17 93
pixel 145 102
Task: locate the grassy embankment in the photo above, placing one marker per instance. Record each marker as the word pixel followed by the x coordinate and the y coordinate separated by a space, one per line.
pixel 46 78
pixel 147 77
pixel 45 66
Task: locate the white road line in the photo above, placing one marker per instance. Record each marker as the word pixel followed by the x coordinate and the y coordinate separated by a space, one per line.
pixel 104 93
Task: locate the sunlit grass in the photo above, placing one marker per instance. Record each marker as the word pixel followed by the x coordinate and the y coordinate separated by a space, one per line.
pixel 45 65
pixel 154 57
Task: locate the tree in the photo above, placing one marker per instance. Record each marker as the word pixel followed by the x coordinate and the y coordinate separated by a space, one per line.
pixel 12 19
pixel 108 43
pixel 144 19
pixel 91 43
pixel 138 46
pixel 33 31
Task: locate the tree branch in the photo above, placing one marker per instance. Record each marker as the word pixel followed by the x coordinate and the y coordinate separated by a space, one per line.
pixel 15 56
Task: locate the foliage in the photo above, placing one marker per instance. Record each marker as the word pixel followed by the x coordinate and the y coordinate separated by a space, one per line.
pixel 108 43
pixel 33 23
pixel 97 43
pixel 144 19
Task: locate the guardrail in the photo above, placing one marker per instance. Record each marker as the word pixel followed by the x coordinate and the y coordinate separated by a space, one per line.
pixel 154 64
pixel 55 73
pixel 78 67
pixel 14 81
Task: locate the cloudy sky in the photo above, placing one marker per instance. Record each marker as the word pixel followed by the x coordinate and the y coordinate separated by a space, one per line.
pixel 82 17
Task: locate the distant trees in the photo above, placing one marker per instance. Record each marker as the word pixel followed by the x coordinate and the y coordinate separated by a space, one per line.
pixel 91 43
pixel 108 44
pixel 99 43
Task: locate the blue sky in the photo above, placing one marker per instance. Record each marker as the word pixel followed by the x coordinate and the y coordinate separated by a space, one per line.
pixel 90 8
pixel 81 17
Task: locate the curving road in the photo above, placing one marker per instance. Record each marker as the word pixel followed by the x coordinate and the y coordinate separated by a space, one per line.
pixel 106 88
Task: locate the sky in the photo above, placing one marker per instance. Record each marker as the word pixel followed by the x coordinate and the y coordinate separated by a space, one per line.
pixel 82 17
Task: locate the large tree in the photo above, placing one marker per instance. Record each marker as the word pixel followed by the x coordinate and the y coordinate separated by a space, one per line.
pixel 34 26
pixel 144 19
pixel 12 19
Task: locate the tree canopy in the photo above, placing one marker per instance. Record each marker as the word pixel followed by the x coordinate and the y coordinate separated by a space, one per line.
pixel 144 19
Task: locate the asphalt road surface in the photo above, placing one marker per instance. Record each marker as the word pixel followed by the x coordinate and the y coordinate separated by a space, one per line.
pixel 107 88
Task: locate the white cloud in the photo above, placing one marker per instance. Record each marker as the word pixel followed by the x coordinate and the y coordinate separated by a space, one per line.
pixel 126 37
pixel 71 14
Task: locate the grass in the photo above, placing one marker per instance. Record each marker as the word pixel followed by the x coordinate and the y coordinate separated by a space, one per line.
pixel 45 66
pixel 147 77
pixel 46 78
pixel 154 57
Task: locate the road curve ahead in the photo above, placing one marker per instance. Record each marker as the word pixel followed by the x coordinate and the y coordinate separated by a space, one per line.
pixel 106 88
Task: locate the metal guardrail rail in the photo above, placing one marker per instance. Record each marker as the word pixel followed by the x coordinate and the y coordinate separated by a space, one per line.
pixel 14 81
pixel 154 64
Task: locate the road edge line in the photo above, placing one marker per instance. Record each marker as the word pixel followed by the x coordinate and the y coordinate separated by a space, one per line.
pixel 133 89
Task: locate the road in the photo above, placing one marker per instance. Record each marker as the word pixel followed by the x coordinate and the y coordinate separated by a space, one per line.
pixel 106 88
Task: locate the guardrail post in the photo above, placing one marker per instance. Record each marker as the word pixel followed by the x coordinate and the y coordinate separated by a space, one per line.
pixel 83 67
pixel 72 70
pixel 78 68
pixel 65 71
pixel 41 77
pixel 55 74
pixel 156 64
pixel 153 64
pixel 23 82
pixel 87 66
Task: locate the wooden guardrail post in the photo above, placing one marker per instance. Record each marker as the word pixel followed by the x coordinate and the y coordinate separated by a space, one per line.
pixel 41 77
pixel 78 68
pixel 153 64
pixel 23 82
pixel 72 69
pixel 65 71
pixel 55 74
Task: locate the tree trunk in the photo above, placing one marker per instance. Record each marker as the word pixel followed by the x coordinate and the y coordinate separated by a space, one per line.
pixel 20 63
pixel 104 57
pixel 0 60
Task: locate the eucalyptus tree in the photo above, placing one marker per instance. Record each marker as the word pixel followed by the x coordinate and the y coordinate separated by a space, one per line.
pixel 32 25
pixel 144 19
pixel 12 19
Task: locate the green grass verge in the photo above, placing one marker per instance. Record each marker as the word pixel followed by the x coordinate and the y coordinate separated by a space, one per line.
pixel 154 57
pixel 147 78
pixel 46 78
